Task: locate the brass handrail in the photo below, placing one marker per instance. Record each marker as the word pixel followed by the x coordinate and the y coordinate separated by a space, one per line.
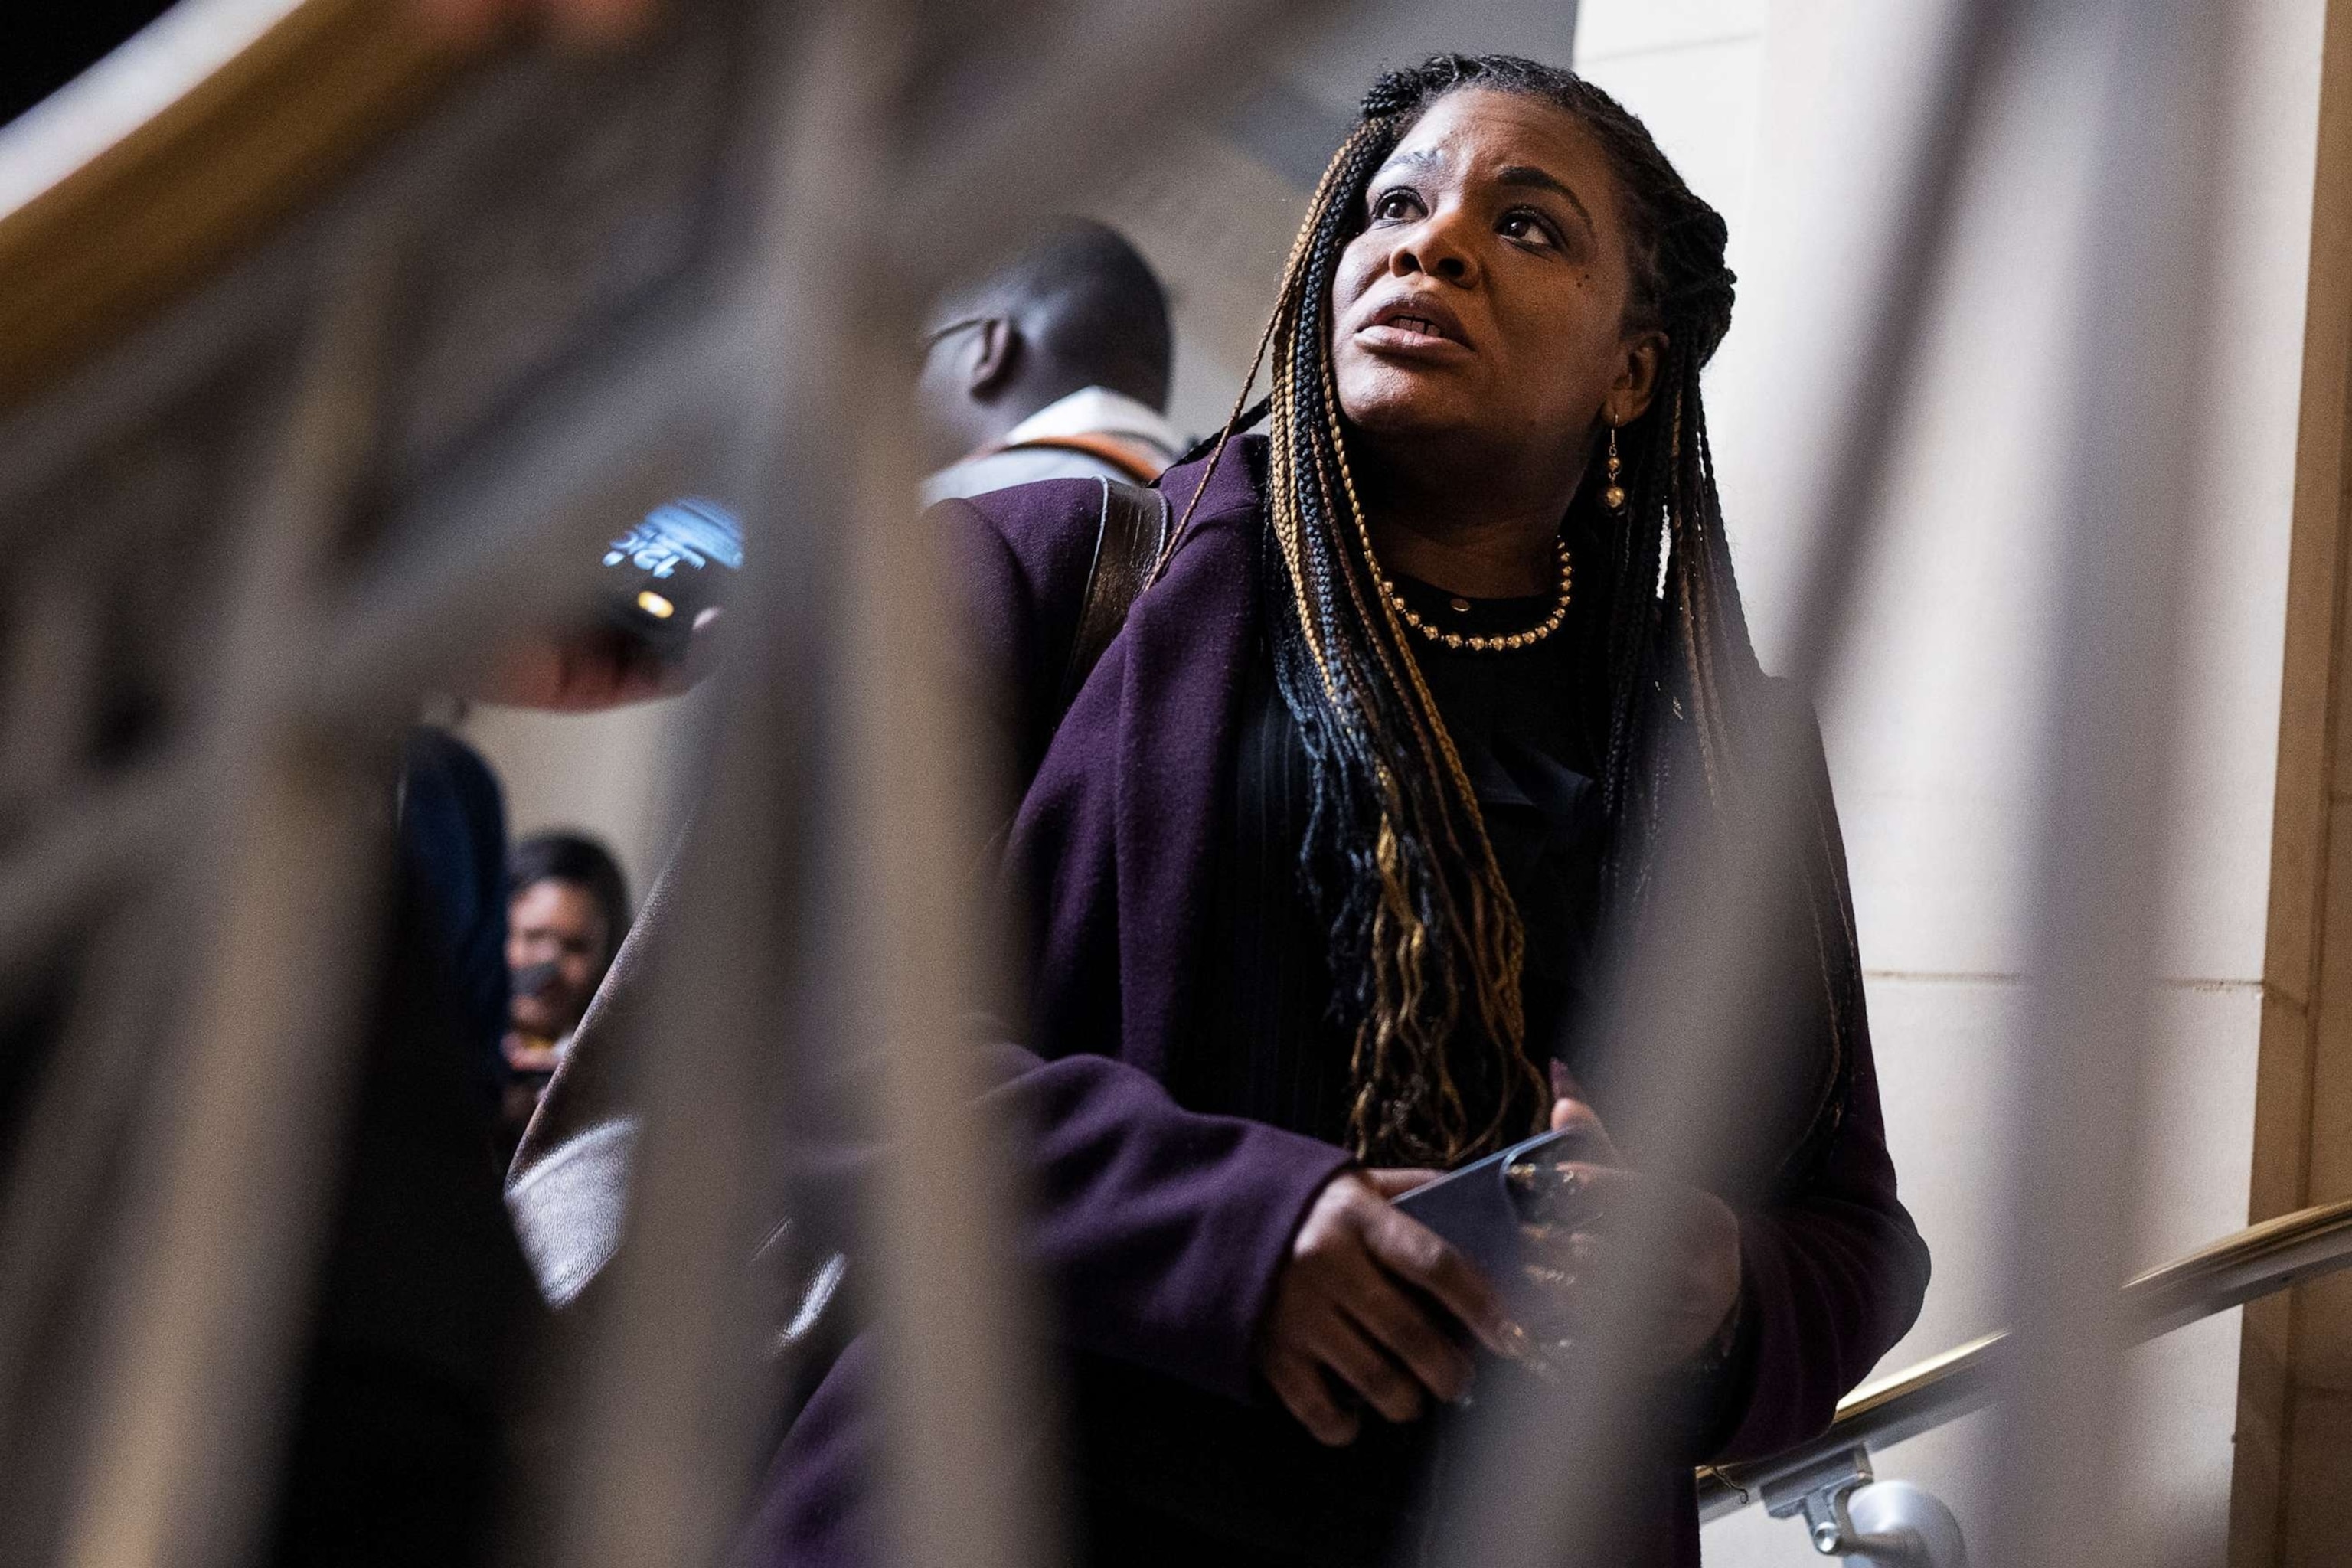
pixel 215 165
pixel 2238 1269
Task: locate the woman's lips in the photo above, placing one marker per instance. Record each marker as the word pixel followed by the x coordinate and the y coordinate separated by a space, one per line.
pixel 1402 338
pixel 1401 328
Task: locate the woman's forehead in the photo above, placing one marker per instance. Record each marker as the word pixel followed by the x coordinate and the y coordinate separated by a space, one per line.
pixel 1475 130
pixel 554 899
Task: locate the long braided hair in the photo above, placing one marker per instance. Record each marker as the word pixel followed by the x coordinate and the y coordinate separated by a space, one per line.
pixel 1427 946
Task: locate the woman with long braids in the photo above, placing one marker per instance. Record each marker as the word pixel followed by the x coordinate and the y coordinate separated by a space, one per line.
pixel 1344 834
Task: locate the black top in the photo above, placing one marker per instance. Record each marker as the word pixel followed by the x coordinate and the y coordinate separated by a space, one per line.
pixel 453 848
pixel 1529 725
pixel 426 1308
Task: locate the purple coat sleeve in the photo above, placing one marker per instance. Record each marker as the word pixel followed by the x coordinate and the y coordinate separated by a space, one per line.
pixel 1162 1228
pixel 1830 1279
pixel 1159 1229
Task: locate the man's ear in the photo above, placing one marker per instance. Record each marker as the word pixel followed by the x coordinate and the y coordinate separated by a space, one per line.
pixel 996 350
pixel 1637 378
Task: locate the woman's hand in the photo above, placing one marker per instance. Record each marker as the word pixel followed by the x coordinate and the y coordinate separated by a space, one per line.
pixel 1372 1300
pixel 1699 1284
pixel 590 669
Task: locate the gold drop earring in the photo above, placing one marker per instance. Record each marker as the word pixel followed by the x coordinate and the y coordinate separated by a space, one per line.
pixel 1613 495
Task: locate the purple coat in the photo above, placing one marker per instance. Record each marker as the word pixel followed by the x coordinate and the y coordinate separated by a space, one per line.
pixel 1164 1229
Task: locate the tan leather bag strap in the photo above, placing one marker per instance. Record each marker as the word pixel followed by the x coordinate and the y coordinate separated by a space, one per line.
pixel 1133 459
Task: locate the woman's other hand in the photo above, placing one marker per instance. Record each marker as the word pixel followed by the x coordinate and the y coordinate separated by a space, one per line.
pixel 1699 1285
pixel 1374 1301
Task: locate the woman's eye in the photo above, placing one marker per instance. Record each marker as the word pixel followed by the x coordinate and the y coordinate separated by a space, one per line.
pixel 1525 226
pixel 1395 207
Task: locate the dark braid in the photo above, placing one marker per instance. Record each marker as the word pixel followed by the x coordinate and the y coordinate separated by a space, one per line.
pixel 1426 945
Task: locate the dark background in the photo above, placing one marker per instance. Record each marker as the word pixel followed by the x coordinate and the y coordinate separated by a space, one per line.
pixel 37 60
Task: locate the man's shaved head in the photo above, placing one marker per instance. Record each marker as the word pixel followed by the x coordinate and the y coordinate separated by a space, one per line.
pixel 1085 297
pixel 1081 308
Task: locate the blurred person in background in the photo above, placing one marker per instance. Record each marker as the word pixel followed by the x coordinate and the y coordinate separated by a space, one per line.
pixel 396 1441
pixel 452 837
pixel 405 1426
pixel 567 911
pixel 1056 365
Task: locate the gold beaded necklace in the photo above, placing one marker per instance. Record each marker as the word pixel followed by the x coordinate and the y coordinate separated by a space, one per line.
pixel 1476 643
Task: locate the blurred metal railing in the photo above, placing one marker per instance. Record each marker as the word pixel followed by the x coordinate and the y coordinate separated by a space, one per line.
pixel 427 454
pixel 2236 1269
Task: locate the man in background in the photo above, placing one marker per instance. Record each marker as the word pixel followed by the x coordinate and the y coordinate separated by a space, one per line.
pixel 567 909
pixel 1056 365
